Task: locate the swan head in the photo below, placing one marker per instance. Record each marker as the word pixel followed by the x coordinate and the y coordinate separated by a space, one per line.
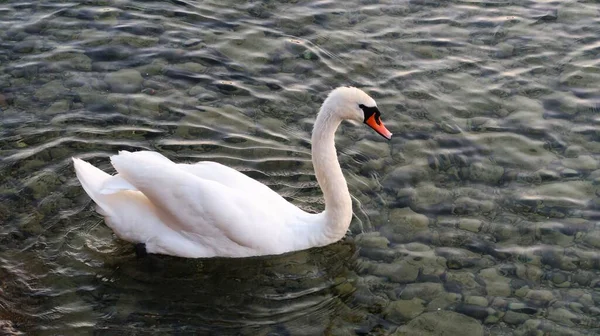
pixel 354 104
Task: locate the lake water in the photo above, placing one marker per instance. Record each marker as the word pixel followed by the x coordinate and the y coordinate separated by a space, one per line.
pixel 480 217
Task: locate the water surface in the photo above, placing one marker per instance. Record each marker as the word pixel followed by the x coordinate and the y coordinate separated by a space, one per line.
pixel 479 217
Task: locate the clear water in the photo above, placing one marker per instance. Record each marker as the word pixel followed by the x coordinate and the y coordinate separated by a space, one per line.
pixel 480 216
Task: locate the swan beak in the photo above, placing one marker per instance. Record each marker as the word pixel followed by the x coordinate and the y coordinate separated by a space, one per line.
pixel 378 127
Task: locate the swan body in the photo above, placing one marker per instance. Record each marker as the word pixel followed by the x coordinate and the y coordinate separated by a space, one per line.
pixel 207 209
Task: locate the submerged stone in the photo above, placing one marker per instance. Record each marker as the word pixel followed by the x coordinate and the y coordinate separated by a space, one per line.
pixel 372 149
pixel 73 60
pixel 484 171
pixel 512 317
pixel 124 81
pixel 592 238
pixel 50 91
pixel 403 310
pixel 58 107
pixel 540 297
pixel 371 239
pixel 401 272
pixel 405 220
pixel 562 316
pixel 477 301
pixel 426 291
pixel 495 283
pixel 470 224
pixel 441 323
pixel 583 162
pixel 404 176
pixel 442 302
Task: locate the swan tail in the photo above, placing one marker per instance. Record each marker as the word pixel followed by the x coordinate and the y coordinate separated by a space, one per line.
pixel 92 179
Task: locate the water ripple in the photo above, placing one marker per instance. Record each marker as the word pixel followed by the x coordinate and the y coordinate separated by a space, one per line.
pixel 485 203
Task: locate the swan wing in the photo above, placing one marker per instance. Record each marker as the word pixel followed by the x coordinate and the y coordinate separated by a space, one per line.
pixel 227 176
pixel 204 210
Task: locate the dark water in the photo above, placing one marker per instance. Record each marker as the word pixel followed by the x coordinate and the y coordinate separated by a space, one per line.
pixel 480 217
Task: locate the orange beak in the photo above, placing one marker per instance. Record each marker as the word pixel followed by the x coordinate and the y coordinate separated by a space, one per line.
pixel 378 127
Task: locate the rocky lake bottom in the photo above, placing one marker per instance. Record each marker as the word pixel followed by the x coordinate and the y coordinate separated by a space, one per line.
pixel 480 217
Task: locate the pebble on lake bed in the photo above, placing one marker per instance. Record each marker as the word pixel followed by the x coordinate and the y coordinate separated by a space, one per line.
pixel 124 81
pixel 441 323
pixel 403 310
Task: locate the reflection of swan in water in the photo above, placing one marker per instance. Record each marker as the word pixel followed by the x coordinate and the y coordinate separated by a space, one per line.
pixel 210 210
pixel 227 296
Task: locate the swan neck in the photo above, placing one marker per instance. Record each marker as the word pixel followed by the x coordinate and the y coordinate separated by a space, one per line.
pixel 338 204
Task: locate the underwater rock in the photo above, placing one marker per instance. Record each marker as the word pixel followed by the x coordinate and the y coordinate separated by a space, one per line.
pixel 512 317
pixel 562 316
pixel 417 247
pixel 371 239
pixel 504 50
pixel 366 298
pixel 458 258
pixel 373 165
pixel 199 90
pixel 136 41
pixel 405 176
pixel 372 149
pixel 569 173
pixel 441 323
pixel 595 176
pixel 60 106
pixel 484 171
pixel 560 279
pixel 154 68
pixel 24 47
pixel 145 105
pixel 495 283
pixel 469 224
pixel 475 311
pixel 31 224
pixel 592 238
pixel 442 302
pixel 569 194
pixel 194 68
pixel 402 310
pixel 583 277
pixel 124 81
pixel 425 290
pixel 3 101
pixel 551 235
pixel 50 91
pixel 540 297
pixel 477 301
pixel 406 224
pixel 464 282
pixel 515 151
pixel 543 327
pixel 428 197
pixel 400 272
pixel 573 151
pixel 582 162
pixel 529 272
pixel 586 300
pixel 71 60
pixel 571 13
pixel 118 102
pixel 44 184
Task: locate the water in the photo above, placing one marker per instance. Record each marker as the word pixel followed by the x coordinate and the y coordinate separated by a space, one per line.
pixel 479 217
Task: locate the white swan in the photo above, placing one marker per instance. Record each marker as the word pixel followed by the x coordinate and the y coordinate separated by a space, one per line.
pixel 208 209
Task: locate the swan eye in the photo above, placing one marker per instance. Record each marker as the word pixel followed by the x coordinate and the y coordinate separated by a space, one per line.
pixel 370 111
